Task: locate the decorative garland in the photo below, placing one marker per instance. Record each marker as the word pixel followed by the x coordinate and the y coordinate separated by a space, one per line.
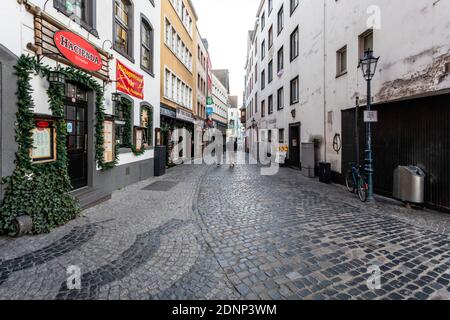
pixel 127 108
pixel 41 191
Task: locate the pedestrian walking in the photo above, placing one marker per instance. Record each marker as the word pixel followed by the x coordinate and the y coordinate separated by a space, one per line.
pixel 232 150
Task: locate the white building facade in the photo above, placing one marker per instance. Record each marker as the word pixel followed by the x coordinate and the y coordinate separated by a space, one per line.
pixel 127 34
pixel 220 106
pixel 409 88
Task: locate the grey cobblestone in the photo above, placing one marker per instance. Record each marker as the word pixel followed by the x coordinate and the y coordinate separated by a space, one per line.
pixel 218 233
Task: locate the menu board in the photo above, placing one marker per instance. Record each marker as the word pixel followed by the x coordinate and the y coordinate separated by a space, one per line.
pixel 108 134
pixel 44 143
pixel 139 138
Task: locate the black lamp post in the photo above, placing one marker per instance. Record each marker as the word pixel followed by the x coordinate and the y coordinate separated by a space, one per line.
pixel 368 66
pixel 56 77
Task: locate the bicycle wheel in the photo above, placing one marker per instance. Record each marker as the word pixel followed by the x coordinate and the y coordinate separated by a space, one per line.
pixel 350 182
pixel 363 189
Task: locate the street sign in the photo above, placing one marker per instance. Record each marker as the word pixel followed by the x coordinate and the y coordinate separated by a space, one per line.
pixel 370 116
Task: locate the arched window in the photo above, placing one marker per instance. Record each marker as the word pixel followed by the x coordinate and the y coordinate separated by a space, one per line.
pixel 146 45
pixel 123 27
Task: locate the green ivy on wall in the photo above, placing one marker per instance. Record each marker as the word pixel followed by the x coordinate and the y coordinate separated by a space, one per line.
pixel 41 191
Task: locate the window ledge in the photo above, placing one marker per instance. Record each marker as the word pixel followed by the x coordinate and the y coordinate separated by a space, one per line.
pixel 125 55
pixel 341 74
pixel 124 150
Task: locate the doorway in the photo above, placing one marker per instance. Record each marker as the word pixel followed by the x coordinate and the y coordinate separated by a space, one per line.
pixel 76 106
pixel 294 145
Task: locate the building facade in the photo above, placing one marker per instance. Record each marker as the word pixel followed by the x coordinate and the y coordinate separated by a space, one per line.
pixel 178 69
pixel 303 80
pixel 234 118
pixel 111 89
pixel 220 93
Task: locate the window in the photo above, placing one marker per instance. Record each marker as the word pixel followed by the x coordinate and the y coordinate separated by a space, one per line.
pixel 270 104
pixel 281 136
pixel 263 21
pixel 256 73
pixel 120 121
pixel 123 21
pixel 280 59
pixel 84 10
pixel 280 20
pixel 263 50
pixel 365 43
pixel 341 60
pixel 263 79
pixel 270 4
pixel 263 108
pixel 256 102
pixel 294 44
pixel 147 122
pixel 270 72
pixel 270 37
pixel 280 99
pixel 146 46
pixel 294 5
pixel 294 90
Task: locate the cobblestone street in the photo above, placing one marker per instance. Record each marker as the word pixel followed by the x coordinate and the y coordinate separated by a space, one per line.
pixel 207 232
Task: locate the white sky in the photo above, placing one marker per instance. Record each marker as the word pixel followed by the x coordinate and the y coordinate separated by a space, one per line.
pixel 225 23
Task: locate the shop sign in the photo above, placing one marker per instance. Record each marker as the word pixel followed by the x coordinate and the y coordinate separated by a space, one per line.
pixel 209 101
pixel 78 51
pixel 209 110
pixel 167 112
pixel 129 82
pixel 184 115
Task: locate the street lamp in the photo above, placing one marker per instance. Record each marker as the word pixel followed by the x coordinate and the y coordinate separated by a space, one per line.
pixel 368 66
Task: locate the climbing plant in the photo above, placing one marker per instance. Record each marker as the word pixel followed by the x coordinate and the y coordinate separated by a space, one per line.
pixel 41 191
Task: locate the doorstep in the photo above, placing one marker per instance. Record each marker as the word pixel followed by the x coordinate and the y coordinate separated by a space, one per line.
pixel 89 197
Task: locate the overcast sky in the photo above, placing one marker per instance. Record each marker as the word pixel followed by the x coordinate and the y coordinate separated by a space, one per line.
pixel 225 23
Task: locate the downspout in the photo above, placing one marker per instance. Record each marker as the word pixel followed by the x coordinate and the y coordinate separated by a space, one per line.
pixel 324 79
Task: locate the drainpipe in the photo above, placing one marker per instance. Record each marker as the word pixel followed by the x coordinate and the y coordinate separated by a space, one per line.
pixel 324 79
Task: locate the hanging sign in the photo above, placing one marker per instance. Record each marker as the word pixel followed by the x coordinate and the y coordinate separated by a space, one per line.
pixel 370 116
pixel 129 82
pixel 78 51
pixel 209 111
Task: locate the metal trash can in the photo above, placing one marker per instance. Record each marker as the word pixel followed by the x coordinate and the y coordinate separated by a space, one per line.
pixel 409 184
pixel 325 172
pixel 160 161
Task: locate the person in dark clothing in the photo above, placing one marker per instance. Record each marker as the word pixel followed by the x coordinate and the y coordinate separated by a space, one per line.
pixel 232 149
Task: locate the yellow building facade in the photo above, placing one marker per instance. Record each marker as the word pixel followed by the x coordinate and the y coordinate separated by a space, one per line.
pixel 178 60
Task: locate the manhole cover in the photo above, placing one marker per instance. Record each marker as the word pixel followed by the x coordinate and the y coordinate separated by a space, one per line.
pixel 161 186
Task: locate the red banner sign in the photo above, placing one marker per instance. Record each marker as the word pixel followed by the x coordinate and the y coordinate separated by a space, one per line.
pixel 129 82
pixel 78 51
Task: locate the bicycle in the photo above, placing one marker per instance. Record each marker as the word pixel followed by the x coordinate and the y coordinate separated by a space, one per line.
pixel 357 182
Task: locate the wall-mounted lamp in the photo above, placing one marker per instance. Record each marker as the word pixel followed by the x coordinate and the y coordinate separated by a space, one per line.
pixel 56 77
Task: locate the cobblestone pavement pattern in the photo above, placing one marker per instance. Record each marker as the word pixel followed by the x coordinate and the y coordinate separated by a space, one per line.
pixel 218 233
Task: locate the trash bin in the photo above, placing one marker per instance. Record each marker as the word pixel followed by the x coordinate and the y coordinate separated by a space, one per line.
pixel 160 161
pixel 325 172
pixel 409 184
